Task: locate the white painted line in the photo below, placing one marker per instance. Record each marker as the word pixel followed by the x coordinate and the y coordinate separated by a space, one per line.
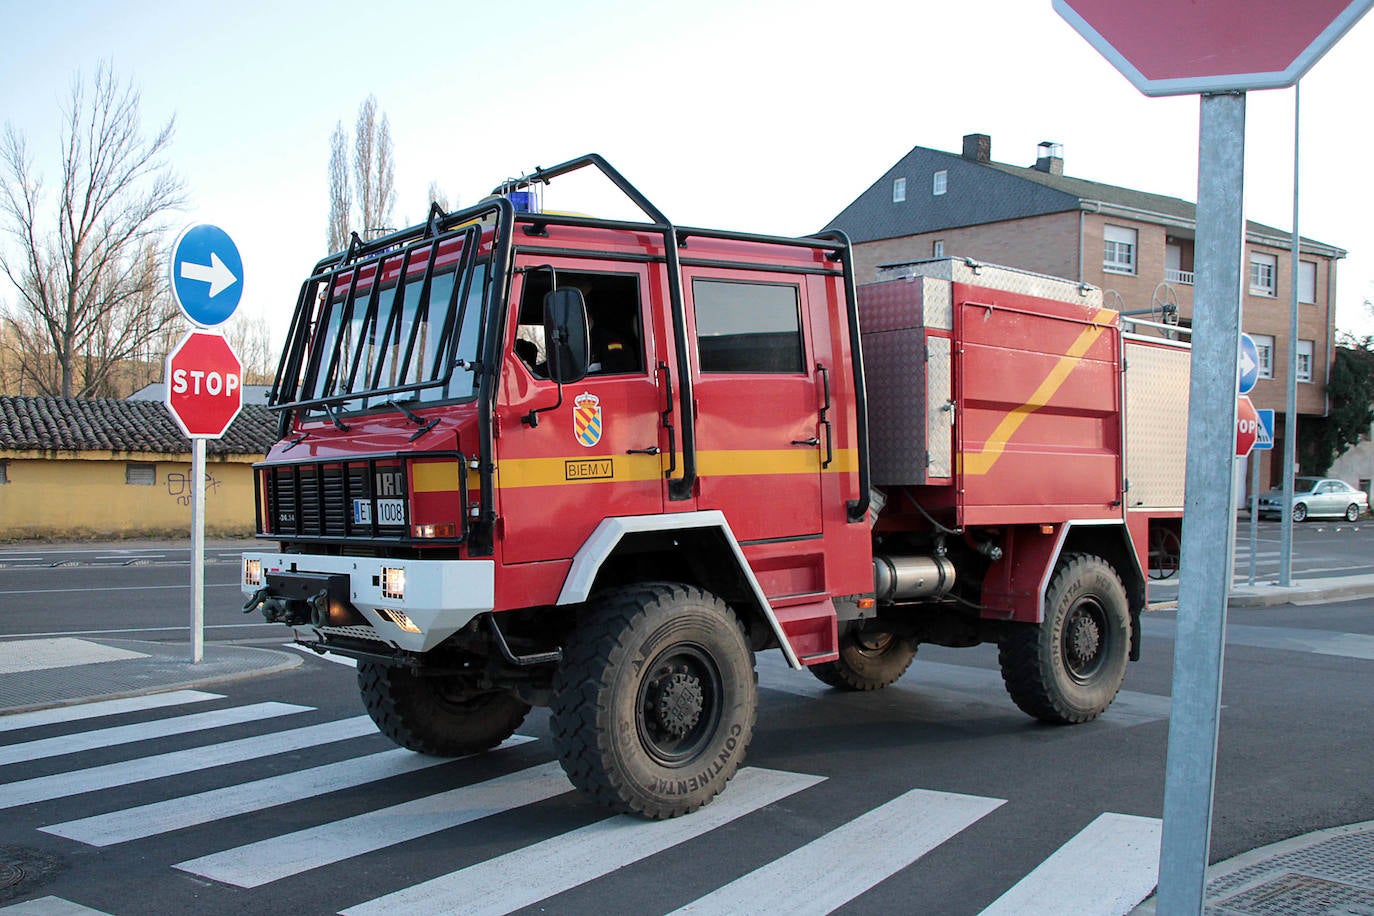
pixel 51 906
pixel 1292 639
pixel 327 656
pixel 21 655
pixel 94 779
pixel 214 626
pixel 103 708
pixel 1124 854
pixel 574 858
pixel 135 556
pixel 231 801
pixel 294 853
pixel 828 872
pixel 144 731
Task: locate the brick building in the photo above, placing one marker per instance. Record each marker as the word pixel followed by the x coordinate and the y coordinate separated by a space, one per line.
pixel 1136 246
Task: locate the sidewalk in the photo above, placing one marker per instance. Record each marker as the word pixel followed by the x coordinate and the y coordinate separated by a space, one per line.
pixel 42 673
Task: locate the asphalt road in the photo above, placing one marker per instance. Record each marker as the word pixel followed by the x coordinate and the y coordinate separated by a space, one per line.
pixel 935 795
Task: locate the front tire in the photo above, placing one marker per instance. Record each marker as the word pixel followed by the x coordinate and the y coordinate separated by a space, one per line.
pixel 655 701
pixel 868 661
pixel 1300 512
pixel 1068 669
pixel 438 716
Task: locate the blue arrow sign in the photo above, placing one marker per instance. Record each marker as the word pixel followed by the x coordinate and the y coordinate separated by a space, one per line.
pixel 207 275
pixel 1264 434
pixel 1249 364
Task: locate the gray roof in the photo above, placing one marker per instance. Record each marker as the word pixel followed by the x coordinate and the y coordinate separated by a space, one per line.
pixel 110 424
pixel 989 192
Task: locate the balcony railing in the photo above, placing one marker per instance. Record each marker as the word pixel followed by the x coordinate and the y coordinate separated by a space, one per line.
pixel 1178 276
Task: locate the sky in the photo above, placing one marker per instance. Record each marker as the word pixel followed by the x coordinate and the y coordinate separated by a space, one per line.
pixel 737 114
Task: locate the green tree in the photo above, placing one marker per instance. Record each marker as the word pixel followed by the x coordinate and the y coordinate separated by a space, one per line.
pixel 1350 396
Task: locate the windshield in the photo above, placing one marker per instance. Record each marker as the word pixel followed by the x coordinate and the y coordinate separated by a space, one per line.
pixel 404 325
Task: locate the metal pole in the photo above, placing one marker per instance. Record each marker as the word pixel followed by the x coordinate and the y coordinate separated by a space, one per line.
pixel 1254 511
pixel 197 549
pixel 1209 508
pixel 1290 409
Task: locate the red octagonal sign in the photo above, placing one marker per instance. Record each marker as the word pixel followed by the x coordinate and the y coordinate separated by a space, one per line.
pixel 1175 47
pixel 204 385
pixel 1247 426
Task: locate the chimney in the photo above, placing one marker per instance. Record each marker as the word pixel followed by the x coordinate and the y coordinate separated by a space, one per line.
pixel 978 147
pixel 1049 157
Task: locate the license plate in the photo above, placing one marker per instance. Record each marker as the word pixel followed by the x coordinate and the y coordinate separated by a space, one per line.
pixel 389 511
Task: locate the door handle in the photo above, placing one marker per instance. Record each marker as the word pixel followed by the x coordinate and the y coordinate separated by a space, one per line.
pixel 813 442
pixel 651 450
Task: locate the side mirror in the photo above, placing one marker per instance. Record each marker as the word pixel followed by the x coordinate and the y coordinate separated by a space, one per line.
pixel 566 337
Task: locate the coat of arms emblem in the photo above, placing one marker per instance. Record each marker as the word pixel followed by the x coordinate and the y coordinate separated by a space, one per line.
pixel 587 419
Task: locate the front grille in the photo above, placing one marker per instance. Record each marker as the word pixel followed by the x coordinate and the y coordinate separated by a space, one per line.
pixel 330 499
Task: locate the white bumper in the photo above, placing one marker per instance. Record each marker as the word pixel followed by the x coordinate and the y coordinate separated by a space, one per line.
pixel 441 596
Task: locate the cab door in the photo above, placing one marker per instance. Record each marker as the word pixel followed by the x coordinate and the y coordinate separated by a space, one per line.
pixel 760 440
pixel 561 468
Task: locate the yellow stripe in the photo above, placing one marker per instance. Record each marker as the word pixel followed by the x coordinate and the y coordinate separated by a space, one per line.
pixel 981 462
pixel 549 472
pixel 434 476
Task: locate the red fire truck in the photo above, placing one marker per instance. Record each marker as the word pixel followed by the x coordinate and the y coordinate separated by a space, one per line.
pixel 530 458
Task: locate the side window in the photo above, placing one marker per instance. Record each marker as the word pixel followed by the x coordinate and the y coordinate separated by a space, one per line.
pixel 747 327
pixel 613 310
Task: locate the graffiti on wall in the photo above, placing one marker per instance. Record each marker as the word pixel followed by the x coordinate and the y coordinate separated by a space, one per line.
pixel 179 485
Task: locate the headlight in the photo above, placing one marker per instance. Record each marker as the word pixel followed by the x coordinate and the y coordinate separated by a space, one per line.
pixel 252 572
pixel 393 582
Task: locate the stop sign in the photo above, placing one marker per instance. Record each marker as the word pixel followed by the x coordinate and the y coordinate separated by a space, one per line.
pixel 204 385
pixel 1175 47
pixel 1247 426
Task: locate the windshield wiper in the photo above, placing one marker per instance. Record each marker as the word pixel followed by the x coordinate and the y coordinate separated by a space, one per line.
pixel 425 425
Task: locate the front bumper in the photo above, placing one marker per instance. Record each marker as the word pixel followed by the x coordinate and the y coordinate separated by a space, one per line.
pixel 439 598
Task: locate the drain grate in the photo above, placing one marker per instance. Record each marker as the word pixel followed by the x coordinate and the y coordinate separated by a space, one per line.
pixel 22 870
pixel 1299 895
pixel 11 874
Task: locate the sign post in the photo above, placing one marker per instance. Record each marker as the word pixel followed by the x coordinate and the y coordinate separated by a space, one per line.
pixel 204 379
pixel 1221 50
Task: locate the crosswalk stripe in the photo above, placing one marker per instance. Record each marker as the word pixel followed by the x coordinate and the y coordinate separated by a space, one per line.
pixel 230 801
pixel 574 858
pixel 100 708
pixel 50 906
pixel 279 857
pixel 830 871
pixel 60 785
pixel 1124 852
pixel 144 731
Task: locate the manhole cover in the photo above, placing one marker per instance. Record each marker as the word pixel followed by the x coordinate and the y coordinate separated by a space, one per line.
pixel 10 874
pixel 1295 894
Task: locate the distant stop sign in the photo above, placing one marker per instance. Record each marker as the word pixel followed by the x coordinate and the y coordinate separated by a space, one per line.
pixel 1247 426
pixel 204 385
pixel 1173 47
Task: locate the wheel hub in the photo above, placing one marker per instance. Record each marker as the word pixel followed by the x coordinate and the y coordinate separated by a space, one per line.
pixel 678 705
pixel 1085 639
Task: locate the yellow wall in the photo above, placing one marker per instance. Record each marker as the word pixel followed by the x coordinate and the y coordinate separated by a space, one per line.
pixel 84 494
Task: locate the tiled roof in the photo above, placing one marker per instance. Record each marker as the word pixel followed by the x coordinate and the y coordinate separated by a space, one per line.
pixel 109 424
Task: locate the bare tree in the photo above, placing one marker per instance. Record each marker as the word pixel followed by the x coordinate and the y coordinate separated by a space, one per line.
pixel 340 200
pixel 364 207
pixel 436 195
pixel 251 339
pixel 85 262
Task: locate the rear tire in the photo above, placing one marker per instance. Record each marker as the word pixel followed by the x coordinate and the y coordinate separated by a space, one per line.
pixel 868 661
pixel 1352 513
pixel 436 715
pixel 655 701
pixel 1068 669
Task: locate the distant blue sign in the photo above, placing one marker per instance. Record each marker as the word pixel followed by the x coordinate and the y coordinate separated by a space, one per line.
pixel 1249 364
pixel 207 275
pixel 1264 435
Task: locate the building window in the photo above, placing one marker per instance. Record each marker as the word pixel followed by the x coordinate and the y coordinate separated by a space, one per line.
pixel 937 250
pixel 1264 344
pixel 1118 249
pixel 939 182
pixel 4 472
pixel 1307 282
pixel 1264 269
pixel 140 475
pixel 747 327
pixel 1305 360
pixel 898 190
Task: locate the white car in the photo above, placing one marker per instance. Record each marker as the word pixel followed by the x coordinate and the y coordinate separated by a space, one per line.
pixel 1317 497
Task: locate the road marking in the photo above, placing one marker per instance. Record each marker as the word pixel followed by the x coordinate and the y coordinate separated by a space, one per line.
pixel 216 626
pixel 51 906
pixel 327 656
pixel 574 858
pixel 103 708
pixel 828 872
pixel 1124 852
pixel 279 857
pixel 21 655
pixel 1313 642
pixel 109 588
pixel 128 772
pixel 144 731
pixel 243 798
